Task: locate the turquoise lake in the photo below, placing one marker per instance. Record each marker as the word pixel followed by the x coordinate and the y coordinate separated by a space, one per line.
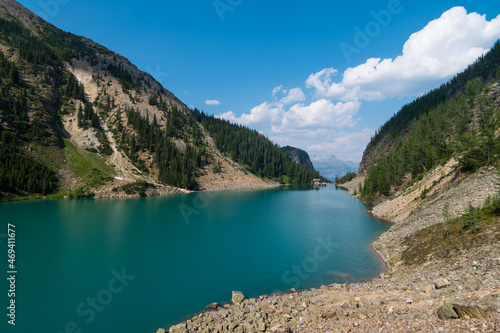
pixel 135 265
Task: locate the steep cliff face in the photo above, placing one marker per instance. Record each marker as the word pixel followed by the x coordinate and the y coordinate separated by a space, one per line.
pixel 300 156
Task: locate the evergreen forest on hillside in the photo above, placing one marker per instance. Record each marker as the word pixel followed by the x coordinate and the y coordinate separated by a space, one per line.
pixel 463 127
pixel 251 148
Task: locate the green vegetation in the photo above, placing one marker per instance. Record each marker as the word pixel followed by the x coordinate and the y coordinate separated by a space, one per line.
pixel 484 68
pixel 437 129
pixel 20 172
pixel 126 79
pixel 138 187
pixel 175 168
pixel 249 147
pixel 444 240
pixel 345 178
pixel 90 168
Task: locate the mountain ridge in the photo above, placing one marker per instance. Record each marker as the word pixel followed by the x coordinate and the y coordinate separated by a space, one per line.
pixel 332 167
pixel 384 139
pixel 300 156
pixel 101 125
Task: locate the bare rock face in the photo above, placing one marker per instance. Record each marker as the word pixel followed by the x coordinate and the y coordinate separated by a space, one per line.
pixel 300 156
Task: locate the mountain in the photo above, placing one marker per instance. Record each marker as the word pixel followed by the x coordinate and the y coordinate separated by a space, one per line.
pixel 398 127
pixel 78 120
pixel 457 122
pixel 331 167
pixel 300 156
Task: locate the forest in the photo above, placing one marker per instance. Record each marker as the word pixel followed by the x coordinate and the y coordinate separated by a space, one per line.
pixel 250 148
pixel 36 90
pixel 174 167
pixel 463 127
pixel 20 172
pixel 484 68
pixel 345 178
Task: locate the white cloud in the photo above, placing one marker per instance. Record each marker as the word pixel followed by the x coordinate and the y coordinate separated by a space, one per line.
pixel 229 115
pixel 294 95
pixel 320 114
pixel 326 124
pixel 212 102
pixel 325 88
pixel 354 141
pixel 276 90
pixel 444 47
pixel 344 145
pixel 265 115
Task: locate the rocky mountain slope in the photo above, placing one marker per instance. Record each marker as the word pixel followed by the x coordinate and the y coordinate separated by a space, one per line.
pixel 82 121
pixel 485 68
pixel 300 156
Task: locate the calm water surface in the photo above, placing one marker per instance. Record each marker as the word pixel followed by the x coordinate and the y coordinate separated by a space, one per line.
pixel 135 265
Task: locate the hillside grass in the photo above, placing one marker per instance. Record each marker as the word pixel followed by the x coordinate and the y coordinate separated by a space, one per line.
pixel 90 167
pixel 477 227
pixel 83 162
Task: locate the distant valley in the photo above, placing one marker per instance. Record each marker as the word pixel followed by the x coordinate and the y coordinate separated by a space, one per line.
pixel 331 167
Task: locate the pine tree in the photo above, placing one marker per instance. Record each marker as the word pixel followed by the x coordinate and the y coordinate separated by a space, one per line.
pixel 95 121
pixel 80 116
pixel 14 75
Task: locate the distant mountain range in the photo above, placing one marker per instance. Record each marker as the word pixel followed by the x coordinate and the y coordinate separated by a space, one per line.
pixel 331 167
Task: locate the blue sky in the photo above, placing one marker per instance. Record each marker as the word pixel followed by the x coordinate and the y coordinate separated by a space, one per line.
pixel 320 75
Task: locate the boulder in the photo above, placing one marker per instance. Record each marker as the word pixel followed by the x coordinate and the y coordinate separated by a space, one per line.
pixel 441 283
pixel 446 312
pixel 464 308
pixel 180 328
pixel 212 306
pixel 238 297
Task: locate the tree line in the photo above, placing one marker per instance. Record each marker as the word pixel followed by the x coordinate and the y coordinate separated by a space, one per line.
pixel 175 168
pixel 20 172
pixel 350 175
pixel 462 127
pixel 248 147
pixel 484 68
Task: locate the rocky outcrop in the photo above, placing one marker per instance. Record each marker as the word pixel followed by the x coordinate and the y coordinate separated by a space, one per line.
pixel 373 152
pixel 300 156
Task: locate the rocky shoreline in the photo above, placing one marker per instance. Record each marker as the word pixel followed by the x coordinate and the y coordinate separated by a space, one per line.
pixel 459 297
pixel 425 289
